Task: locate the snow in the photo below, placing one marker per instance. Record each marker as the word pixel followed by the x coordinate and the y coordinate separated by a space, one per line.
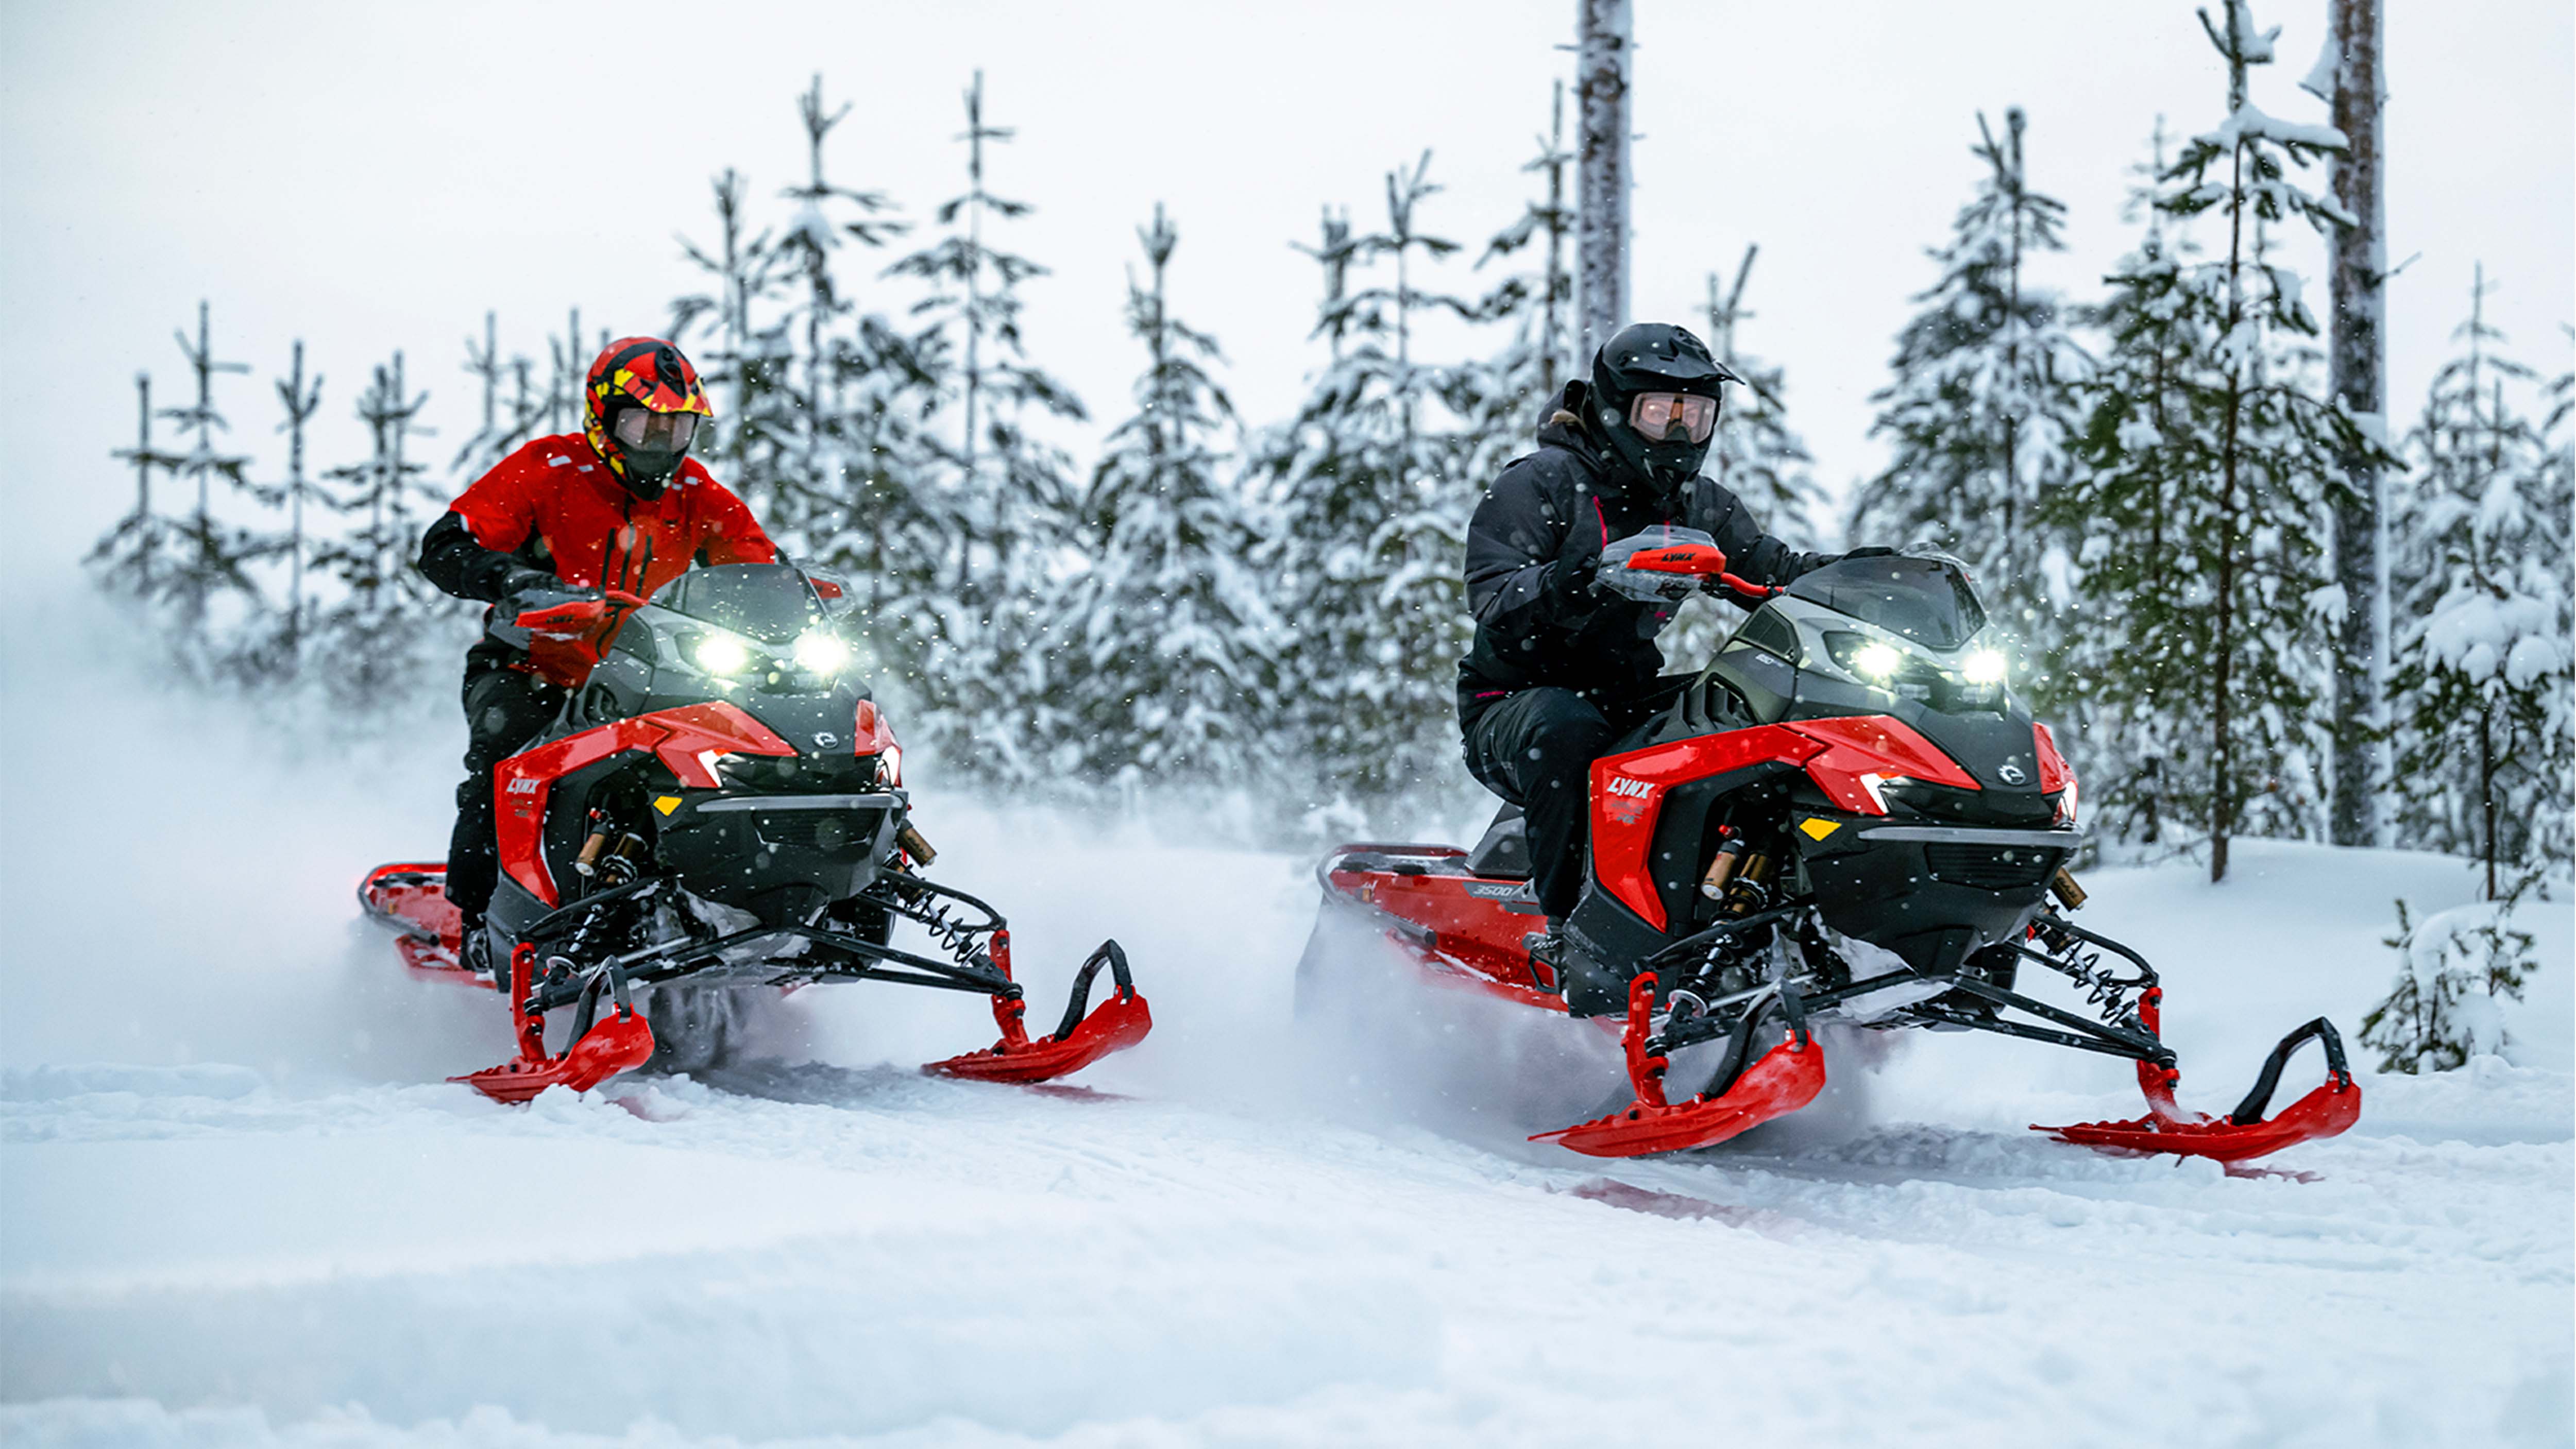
pixel 241 1208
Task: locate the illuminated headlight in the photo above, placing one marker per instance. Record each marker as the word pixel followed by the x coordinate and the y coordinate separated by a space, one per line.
pixel 1986 666
pixel 1878 661
pixel 821 652
pixel 721 654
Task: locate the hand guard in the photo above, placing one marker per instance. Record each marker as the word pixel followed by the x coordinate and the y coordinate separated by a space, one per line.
pixel 1646 586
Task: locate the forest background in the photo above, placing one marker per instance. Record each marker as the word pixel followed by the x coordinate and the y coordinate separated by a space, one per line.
pixel 181 156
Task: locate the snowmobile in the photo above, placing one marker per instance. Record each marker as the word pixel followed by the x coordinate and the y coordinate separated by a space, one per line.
pixel 719 806
pixel 1847 815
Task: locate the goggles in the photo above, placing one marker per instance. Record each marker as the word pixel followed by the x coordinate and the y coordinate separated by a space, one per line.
pixel 1660 417
pixel 652 432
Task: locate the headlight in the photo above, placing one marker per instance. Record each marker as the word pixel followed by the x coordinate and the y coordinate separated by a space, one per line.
pixel 721 654
pixel 1878 661
pixel 819 651
pixel 1986 666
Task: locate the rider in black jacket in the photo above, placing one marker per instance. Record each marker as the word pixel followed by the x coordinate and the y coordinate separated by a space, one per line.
pixel 1558 672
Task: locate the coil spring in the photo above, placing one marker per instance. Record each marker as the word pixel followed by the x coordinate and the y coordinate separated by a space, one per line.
pixel 2103 989
pixel 954 937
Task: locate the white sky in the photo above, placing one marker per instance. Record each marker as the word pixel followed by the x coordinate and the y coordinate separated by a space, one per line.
pixel 374 176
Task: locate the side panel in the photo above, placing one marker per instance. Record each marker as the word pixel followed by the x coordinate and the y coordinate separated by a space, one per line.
pixel 1846 758
pixel 1628 796
pixel 678 737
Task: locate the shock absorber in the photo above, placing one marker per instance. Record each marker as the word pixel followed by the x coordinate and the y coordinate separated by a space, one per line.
pixel 1750 886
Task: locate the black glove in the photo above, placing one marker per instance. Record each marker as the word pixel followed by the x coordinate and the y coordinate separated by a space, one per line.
pixel 1569 584
pixel 1873 551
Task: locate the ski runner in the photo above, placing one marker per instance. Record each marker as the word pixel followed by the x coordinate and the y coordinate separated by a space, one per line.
pixel 617 505
pixel 1558 672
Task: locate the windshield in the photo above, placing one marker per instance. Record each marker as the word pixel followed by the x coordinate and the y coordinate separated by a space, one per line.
pixel 1924 599
pixel 770 602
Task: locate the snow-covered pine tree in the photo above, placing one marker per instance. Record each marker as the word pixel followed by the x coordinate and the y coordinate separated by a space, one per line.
pixel 2484 600
pixel 569 358
pixel 136 557
pixel 715 326
pixel 1502 398
pixel 1332 252
pixel 2146 436
pixel 2457 968
pixel 300 398
pixel 1372 504
pixel 1755 454
pixel 510 418
pixel 2482 693
pixel 214 554
pixel 384 633
pixel 830 484
pixel 2231 453
pixel 1167 638
pixel 1007 509
pixel 1980 407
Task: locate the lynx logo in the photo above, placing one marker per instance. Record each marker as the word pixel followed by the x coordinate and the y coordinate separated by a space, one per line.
pixel 825 739
pixel 1633 789
pixel 524 785
pixel 2010 774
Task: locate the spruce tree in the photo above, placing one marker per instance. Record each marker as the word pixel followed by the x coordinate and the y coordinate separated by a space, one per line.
pixel 2120 691
pixel 1167 635
pixel 300 399
pixel 2209 456
pixel 1005 510
pixel 2484 591
pixel 214 554
pixel 734 359
pixel 510 417
pixel 386 630
pixel 1980 407
pixel 1372 499
pixel 138 556
pixel 1503 399
pixel 1755 453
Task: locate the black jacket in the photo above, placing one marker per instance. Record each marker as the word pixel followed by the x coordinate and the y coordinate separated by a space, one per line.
pixel 1538 622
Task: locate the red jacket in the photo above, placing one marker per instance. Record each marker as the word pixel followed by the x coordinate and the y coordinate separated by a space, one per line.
pixel 594 533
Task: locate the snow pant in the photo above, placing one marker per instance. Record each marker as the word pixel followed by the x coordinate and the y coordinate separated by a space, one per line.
pixel 1535 748
pixel 504 709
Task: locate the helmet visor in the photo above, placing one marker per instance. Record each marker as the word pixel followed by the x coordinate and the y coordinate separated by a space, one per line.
pixel 652 432
pixel 1663 417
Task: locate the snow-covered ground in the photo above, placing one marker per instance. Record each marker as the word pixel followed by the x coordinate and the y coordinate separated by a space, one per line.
pixel 238 1206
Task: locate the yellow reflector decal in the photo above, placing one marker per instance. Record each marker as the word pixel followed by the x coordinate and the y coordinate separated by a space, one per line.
pixel 666 803
pixel 1819 829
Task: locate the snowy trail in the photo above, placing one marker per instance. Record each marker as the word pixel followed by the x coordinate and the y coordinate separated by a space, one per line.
pixel 245 1215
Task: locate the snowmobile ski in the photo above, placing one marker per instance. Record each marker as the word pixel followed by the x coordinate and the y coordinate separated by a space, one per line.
pixel 1787 1077
pixel 2244 1133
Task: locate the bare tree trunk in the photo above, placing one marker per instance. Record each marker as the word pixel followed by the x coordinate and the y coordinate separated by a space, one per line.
pixel 2222 794
pixel 1552 330
pixel 2358 350
pixel 1601 186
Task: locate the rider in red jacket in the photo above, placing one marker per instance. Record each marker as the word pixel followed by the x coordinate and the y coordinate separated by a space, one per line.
pixel 618 505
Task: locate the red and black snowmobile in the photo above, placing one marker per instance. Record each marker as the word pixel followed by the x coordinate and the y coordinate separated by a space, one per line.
pixel 1846 815
pixel 719 806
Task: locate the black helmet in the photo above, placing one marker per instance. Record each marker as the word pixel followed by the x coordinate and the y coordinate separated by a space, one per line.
pixel 1657 359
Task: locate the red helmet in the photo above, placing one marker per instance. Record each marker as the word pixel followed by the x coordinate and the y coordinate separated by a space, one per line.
pixel 640 409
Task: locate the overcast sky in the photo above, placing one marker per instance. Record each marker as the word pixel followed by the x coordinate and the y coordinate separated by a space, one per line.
pixel 374 176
